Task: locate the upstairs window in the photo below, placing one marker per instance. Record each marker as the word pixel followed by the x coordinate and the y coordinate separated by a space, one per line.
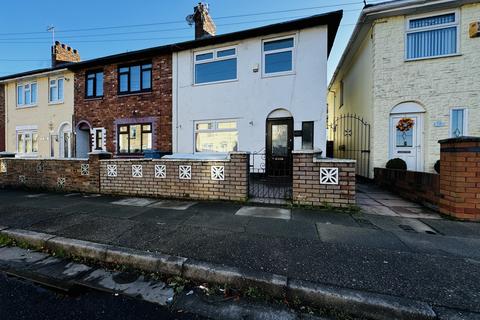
pixel 216 65
pixel 94 86
pixel 135 78
pixel 278 56
pixel 27 94
pixel 56 90
pixel 433 36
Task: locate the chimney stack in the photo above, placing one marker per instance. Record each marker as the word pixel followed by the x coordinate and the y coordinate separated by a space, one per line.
pixel 204 26
pixel 62 53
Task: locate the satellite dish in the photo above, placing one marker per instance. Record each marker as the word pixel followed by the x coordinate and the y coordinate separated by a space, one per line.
pixel 190 19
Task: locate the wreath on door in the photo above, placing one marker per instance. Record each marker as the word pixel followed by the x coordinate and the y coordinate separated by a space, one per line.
pixel 405 124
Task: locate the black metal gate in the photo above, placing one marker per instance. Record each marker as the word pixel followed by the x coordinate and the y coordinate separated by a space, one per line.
pixel 267 186
pixel 351 140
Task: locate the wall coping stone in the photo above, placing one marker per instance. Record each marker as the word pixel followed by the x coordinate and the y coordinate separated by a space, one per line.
pixel 460 139
pixel 48 159
pixel 162 160
pixel 327 160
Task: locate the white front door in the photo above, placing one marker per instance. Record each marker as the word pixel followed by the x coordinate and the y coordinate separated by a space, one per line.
pixel 407 144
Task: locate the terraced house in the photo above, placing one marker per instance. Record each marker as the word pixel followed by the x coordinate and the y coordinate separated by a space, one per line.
pixel 37 109
pixel 405 81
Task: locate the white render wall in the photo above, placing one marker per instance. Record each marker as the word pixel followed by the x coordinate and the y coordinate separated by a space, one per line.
pixel 252 97
pixel 437 84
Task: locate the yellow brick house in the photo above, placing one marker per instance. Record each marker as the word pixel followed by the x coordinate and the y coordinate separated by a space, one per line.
pixel 39 109
pixel 409 63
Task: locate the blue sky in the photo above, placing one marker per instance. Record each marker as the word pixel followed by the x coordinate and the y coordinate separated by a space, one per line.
pixel 114 25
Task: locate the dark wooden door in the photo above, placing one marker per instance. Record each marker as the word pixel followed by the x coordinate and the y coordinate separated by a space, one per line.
pixel 279 147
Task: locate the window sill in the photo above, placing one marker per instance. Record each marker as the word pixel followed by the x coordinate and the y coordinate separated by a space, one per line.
pixel 27 106
pixel 435 57
pixel 214 82
pixel 93 98
pixel 277 74
pixel 52 103
pixel 134 93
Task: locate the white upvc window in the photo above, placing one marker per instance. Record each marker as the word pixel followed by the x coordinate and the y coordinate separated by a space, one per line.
pixel 278 56
pixel 218 65
pixel 27 142
pixel 26 94
pixel 431 36
pixel 56 90
pixel 458 122
pixel 216 136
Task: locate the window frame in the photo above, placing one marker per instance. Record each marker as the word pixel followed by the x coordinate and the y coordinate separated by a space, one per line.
pixel 215 125
pixel 94 72
pixel 129 66
pixel 24 131
pixel 24 104
pixel 214 59
pixel 128 134
pixel 58 101
pixel 409 30
pixel 465 121
pixel 264 53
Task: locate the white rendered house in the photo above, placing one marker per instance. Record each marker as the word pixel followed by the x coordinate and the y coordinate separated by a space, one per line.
pixel 261 90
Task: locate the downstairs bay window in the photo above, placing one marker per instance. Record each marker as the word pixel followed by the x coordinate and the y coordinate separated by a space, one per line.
pixel 216 136
pixel 134 138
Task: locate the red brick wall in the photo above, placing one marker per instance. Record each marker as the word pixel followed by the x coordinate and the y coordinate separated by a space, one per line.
pixel 308 188
pixel 157 104
pixel 2 117
pixel 422 187
pixel 460 178
pixel 201 186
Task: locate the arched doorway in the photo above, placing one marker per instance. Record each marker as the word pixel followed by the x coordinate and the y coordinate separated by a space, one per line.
pixel 83 143
pixel 406 134
pixel 65 140
pixel 279 143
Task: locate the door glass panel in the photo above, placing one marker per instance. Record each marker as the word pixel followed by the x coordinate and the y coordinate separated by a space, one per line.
pixel 279 140
pixel 65 144
pixel 405 138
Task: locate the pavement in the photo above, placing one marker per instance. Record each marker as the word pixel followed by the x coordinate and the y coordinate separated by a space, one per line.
pixel 423 258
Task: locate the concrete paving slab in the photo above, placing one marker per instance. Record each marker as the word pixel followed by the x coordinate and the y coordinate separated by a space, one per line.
pixel 397 203
pixel 173 205
pixel 358 236
pixel 163 216
pixel 455 228
pixel 130 285
pixel 219 221
pixel 282 228
pixel 421 216
pixel 400 224
pixel 324 216
pixel 367 202
pixel 265 212
pixel 216 207
pixel 380 210
pixel 383 196
pixel 136 202
pixel 463 247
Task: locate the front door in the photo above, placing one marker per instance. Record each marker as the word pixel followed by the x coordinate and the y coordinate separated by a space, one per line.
pixel 406 140
pixel 279 147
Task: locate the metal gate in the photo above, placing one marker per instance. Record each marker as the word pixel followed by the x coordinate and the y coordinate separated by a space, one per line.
pixel 266 185
pixel 351 140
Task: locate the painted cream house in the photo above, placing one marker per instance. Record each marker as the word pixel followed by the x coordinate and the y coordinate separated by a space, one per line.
pixel 407 61
pixel 39 109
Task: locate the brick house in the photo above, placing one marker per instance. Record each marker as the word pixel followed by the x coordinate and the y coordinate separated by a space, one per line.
pixel 407 60
pixel 123 103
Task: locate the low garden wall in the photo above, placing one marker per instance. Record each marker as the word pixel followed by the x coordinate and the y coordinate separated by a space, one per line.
pixel 421 187
pixel 74 175
pixel 322 181
pixel 177 178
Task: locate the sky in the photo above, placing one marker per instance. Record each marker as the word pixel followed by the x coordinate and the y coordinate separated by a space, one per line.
pixel 102 27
